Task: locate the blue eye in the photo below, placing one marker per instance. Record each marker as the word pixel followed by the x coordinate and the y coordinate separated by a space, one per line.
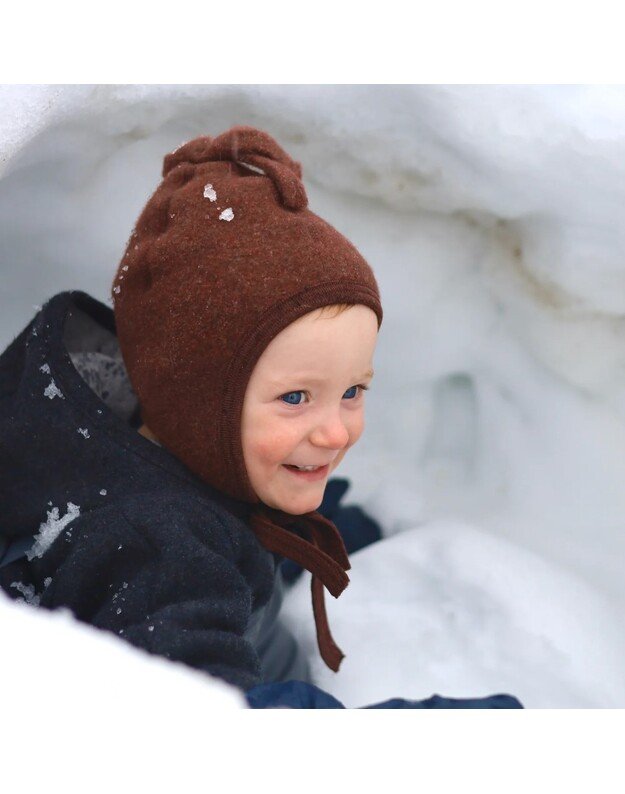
pixel 293 394
pixel 290 394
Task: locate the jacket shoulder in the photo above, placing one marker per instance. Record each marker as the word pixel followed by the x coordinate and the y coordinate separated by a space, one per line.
pixel 178 520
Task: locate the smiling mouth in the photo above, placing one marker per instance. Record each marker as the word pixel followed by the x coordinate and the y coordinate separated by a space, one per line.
pixel 315 474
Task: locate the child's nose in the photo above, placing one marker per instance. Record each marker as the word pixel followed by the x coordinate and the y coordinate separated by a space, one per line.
pixel 330 432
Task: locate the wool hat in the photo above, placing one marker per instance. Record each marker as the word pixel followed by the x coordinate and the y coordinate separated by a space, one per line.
pixel 224 256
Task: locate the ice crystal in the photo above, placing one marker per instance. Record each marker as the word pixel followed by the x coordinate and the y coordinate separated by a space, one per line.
pixel 52 391
pixel 50 529
pixel 28 591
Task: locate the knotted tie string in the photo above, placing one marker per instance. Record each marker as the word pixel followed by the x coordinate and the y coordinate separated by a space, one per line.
pixel 324 555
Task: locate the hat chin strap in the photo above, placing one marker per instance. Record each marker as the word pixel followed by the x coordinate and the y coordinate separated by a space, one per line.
pixel 324 555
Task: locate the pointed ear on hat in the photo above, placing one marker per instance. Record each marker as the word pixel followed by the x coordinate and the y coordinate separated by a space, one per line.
pixel 289 186
pixel 247 146
pixel 239 142
pixel 194 151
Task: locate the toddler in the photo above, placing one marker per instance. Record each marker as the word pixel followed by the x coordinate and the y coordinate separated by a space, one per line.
pixel 181 443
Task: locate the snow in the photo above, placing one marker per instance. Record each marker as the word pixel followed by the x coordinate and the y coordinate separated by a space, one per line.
pixel 226 215
pixel 51 528
pixel 52 390
pixel 496 419
pixel 209 192
pixel 69 674
pixel 447 608
pixel 84 432
pixel 28 591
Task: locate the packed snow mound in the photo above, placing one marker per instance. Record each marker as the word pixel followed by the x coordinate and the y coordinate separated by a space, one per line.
pixel 80 675
pixel 446 609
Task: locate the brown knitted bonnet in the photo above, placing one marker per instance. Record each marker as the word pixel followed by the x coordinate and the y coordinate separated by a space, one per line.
pixel 223 257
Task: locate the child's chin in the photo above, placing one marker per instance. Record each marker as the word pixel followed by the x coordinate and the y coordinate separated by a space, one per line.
pixel 298 507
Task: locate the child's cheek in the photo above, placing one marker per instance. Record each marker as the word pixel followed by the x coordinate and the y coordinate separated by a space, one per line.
pixel 271 448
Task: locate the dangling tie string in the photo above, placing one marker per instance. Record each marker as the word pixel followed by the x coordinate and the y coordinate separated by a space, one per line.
pixel 324 556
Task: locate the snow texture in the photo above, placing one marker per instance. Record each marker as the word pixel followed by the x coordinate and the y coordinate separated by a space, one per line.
pixel 495 432
pixel 52 390
pixel 66 674
pixel 50 529
pixel 28 591
pixel 447 608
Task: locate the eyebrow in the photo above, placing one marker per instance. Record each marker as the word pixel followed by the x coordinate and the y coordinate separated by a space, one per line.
pixel 310 379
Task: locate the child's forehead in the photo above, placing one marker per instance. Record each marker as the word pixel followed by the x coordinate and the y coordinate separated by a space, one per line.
pixel 317 344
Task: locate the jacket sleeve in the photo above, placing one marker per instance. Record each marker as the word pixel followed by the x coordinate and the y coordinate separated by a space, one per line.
pixel 301 695
pixel 167 575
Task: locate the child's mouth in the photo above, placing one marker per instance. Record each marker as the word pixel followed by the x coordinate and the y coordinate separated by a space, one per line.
pixel 317 474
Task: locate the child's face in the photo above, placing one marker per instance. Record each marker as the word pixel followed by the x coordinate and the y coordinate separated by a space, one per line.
pixel 303 404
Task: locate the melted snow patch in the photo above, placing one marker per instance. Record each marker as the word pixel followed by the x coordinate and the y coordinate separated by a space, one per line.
pixel 50 529
pixel 209 192
pixel 226 215
pixel 52 391
pixel 45 368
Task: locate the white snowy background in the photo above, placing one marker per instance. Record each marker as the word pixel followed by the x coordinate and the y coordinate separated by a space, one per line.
pixel 494 452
